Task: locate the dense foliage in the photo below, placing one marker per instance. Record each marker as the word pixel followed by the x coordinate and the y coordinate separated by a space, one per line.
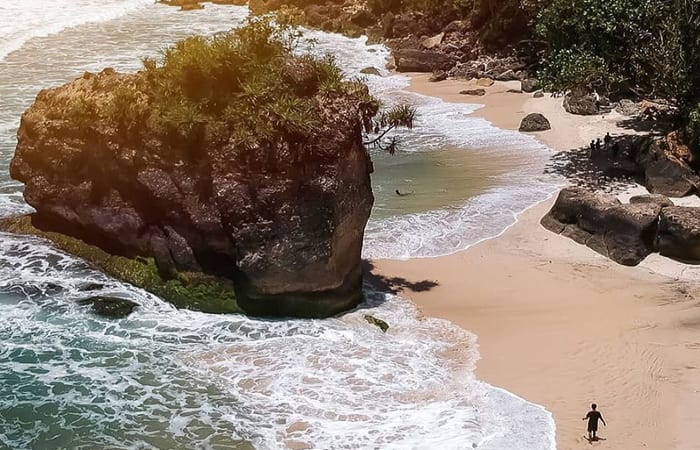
pixel 625 47
pixel 245 87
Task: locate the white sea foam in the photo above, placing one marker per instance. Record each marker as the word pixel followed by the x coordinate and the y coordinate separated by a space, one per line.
pixel 22 20
pixel 334 383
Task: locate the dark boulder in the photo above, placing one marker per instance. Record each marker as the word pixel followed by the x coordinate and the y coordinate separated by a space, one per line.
pixel 679 233
pixel 581 103
pixel 535 122
pixel 411 60
pixel 624 233
pixel 110 307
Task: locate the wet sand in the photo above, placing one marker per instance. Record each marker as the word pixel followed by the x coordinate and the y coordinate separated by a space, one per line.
pixel 559 324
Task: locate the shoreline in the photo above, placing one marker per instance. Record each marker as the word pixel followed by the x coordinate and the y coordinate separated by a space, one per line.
pixel 558 324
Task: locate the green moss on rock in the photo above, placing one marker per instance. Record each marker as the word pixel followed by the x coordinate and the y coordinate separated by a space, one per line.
pixel 188 290
pixel 377 322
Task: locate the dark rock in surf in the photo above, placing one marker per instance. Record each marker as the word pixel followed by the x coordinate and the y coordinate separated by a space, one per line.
pixel 382 325
pixel 371 71
pixel 110 307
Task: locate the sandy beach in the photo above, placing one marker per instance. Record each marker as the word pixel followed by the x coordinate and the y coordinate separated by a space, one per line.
pixel 559 324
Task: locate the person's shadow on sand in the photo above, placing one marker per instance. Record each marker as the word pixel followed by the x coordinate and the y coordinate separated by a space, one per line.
pixel 594 439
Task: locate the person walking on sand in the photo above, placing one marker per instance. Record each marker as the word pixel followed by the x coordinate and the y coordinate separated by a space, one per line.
pixel 593 416
pixel 592 149
pixel 597 145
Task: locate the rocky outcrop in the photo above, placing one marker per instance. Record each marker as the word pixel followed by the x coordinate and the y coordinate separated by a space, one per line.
pixel 534 122
pixel 110 307
pixel 283 221
pixel 371 71
pixel 623 232
pixel 679 233
pixel 627 233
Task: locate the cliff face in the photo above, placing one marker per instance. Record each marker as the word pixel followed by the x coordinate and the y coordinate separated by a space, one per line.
pixel 281 216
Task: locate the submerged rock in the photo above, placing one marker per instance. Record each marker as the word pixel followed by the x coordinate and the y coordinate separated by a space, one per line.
pixel 110 307
pixel 377 322
pixel 534 122
pixel 371 71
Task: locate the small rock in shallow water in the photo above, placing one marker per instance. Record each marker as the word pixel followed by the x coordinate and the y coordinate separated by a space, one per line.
pixel 111 307
pixel 378 322
pixel 91 287
pixel 371 71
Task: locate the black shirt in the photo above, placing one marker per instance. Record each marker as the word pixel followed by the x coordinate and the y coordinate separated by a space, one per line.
pixel 593 417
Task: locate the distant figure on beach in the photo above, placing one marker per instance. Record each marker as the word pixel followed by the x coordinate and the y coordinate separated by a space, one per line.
pixel 607 139
pixel 592 148
pixel 593 416
pixel 402 194
pixel 598 145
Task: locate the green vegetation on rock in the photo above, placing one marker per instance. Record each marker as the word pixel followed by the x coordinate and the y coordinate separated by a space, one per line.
pixel 188 290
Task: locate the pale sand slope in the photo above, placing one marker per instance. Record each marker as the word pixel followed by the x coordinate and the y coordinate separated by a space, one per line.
pixel 562 326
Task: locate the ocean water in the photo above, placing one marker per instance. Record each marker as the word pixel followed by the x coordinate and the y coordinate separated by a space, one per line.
pixel 171 379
